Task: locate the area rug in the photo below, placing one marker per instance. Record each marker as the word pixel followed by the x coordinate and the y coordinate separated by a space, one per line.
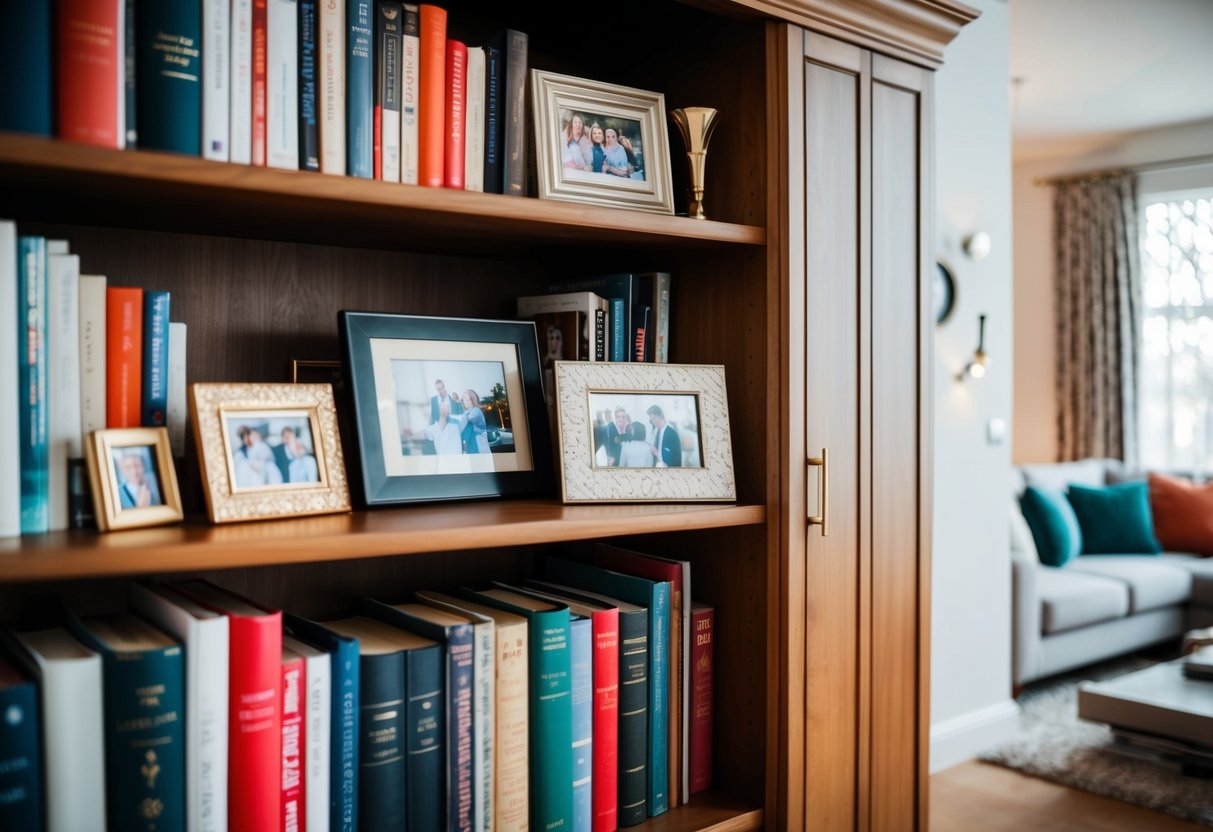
pixel 1054 744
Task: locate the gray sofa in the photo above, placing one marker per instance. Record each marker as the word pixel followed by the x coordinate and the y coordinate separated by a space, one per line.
pixel 1096 606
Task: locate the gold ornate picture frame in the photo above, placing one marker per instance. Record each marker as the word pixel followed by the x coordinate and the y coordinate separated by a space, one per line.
pixel 133 479
pixel 638 433
pixel 268 450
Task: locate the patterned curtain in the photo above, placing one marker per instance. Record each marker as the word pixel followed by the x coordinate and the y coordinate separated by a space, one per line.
pixel 1098 302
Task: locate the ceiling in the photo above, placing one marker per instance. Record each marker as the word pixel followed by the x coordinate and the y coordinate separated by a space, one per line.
pixel 1100 66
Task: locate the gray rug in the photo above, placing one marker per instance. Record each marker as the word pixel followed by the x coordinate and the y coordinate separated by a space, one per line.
pixel 1054 744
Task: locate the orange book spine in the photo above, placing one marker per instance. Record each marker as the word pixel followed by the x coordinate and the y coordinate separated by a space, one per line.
pixel 431 111
pixel 123 357
pixel 456 100
pixel 260 56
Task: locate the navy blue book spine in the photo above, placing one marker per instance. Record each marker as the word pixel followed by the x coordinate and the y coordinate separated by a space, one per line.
pixel 343 745
pixel 493 124
pixel 309 131
pixel 425 721
pixel 32 386
pixel 168 61
pixel 360 90
pixel 25 69
pixel 155 358
pixel 131 45
pixel 20 758
pixel 381 757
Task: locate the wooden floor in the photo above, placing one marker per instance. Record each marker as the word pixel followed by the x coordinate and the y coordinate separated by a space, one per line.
pixel 976 797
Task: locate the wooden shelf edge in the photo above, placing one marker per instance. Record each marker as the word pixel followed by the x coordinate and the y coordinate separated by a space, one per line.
pixel 364 534
pixel 708 812
pixel 338 205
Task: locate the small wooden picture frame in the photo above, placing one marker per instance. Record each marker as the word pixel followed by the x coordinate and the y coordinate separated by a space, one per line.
pixel 132 477
pixel 268 450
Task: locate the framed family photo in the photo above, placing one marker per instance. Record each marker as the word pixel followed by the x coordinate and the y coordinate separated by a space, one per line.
pixel 601 144
pixel 634 432
pixel 268 450
pixel 132 477
pixel 445 408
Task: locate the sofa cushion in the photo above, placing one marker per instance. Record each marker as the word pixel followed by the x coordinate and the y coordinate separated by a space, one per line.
pixel 1070 599
pixel 1021 535
pixel 1115 518
pixel 1183 514
pixel 1054 527
pixel 1056 476
pixel 1152 581
pixel 1201 570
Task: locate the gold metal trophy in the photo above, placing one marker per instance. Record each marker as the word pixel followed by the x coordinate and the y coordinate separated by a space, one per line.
pixel 696 125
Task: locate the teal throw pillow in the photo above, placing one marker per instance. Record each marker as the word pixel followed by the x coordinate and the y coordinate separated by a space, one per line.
pixel 1053 523
pixel 1116 519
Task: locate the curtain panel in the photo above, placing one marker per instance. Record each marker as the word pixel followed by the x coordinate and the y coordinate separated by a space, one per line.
pixel 1098 324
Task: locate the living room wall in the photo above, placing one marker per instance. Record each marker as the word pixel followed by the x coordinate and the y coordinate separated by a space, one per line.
pixel 1033 425
pixel 971 572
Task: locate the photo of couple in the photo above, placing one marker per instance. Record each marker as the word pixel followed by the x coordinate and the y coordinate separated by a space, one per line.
pixel 454 420
pixel 645 431
pixel 271 450
pixel 600 147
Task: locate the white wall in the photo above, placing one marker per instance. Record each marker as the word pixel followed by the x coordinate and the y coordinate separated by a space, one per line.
pixel 971 582
pixel 1034 424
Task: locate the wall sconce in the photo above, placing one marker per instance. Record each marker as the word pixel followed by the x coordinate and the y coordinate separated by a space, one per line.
pixel 976 368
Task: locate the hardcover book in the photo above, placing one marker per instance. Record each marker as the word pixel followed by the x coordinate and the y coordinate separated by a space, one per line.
pixel 360 89
pixel 309 130
pixel 703 620
pixel 92 354
pixel 90 71
pixel 387 91
pixel 581 651
pixel 473 165
pixel 143 672
pixel 155 358
pixel 282 85
pixel 11 330
pixel 294 741
pixel 130 78
pixel 32 387
pixel 513 45
pixel 20 750
pixel 410 92
pixel 63 354
pixel 494 105
pixel 124 357
pixel 169 66
pixel 331 88
pixel 318 720
pixel 177 412
pixel 456 101
pixel 431 107
pixel 25 68
pixel 591 309
pixel 260 66
pixel 240 124
pixel 216 78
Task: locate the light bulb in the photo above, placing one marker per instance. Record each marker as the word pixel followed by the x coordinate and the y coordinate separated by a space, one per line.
pixel 977 370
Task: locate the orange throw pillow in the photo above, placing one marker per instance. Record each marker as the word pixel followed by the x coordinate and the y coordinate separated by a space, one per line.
pixel 1183 514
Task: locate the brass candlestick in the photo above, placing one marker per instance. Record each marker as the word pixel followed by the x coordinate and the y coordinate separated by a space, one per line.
pixel 696 125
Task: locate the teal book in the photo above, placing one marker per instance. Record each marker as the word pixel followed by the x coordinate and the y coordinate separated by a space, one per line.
pixel 32 392
pixel 144 704
pixel 655 596
pixel 550 710
pixel 20 751
pixel 168 65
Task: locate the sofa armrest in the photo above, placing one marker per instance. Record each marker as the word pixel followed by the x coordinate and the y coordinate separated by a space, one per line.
pixel 1025 612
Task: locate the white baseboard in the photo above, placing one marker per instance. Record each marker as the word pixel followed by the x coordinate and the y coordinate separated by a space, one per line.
pixel 963 737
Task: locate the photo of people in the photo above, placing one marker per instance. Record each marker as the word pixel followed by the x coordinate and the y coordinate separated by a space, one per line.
pixel 645 430
pixel 452 408
pixel 138 479
pixel 598 147
pixel 271 449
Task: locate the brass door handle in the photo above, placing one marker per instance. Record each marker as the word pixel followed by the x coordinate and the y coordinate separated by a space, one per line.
pixel 823 490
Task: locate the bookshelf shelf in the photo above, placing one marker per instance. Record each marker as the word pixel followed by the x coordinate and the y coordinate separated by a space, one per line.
pixel 364 534
pixel 708 812
pixel 67 182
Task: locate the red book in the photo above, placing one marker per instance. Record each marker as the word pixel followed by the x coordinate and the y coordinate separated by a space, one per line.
pixel 703 618
pixel 254 773
pixel 456 108
pixel 431 105
pixel 90 80
pixel 123 357
pixel 260 52
pixel 294 685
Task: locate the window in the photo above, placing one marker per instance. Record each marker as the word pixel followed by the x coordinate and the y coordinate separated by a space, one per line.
pixel 1176 392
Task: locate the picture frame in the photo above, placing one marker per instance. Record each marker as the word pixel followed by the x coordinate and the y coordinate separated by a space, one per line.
pixel 414 448
pixel 268 450
pixel 133 479
pixel 641 433
pixel 628 170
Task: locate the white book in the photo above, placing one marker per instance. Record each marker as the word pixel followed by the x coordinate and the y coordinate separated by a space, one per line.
pixel 205 636
pixel 92 354
pixel 216 69
pixel 63 353
pixel 317 718
pixel 410 91
pixel 73 742
pixel 177 412
pixel 240 83
pixel 473 137
pixel 330 88
pixel 282 85
pixel 10 435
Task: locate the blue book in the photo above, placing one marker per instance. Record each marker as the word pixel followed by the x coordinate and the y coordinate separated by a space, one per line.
pixel 360 90
pixel 343 748
pixel 309 130
pixel 619 339
pixel 456 634
pixel 654 595
pixel 155 358
pixel 494 105
pixel 143 672
pixel 168 63
pixel 20 751
pixel 581 643
pixel 32 388
pixel 25 68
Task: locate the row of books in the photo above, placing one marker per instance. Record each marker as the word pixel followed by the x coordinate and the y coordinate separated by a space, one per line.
pixel 76 355
pixel 370 89
pixel 580 702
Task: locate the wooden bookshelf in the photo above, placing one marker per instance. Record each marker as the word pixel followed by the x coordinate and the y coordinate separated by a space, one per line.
pixel 707 812
pixel 364 534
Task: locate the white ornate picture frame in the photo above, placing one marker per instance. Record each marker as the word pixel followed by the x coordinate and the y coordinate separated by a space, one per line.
pixel 639 433
pixel 245 433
